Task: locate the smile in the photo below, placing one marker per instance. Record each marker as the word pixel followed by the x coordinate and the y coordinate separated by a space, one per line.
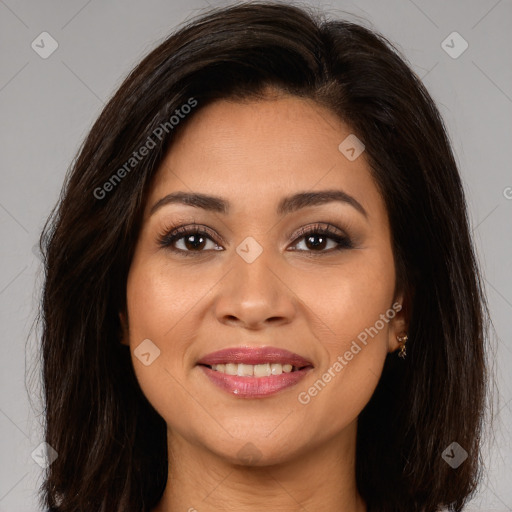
pixel 257 372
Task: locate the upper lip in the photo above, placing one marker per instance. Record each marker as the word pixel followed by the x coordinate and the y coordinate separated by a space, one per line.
pixel 254 355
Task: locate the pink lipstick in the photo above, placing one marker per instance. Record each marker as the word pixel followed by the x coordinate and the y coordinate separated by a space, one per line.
pixel 254 372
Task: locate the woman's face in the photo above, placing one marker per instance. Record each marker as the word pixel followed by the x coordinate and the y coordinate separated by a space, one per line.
pixel 256 279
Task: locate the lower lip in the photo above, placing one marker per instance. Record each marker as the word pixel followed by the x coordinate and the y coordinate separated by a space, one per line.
pixel 254 387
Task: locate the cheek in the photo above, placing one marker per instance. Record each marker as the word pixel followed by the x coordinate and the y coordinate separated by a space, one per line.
pixel 157 299
pixel 162 307
pixel 352 314
pixel 347 299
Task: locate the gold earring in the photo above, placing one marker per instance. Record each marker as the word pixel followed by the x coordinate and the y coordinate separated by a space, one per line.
pixel 402 339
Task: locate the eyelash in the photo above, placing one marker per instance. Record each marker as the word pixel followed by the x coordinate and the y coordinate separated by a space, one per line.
pixel 171 235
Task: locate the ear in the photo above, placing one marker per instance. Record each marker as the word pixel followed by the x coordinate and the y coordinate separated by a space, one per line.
pixel 399 324
pixel 124 328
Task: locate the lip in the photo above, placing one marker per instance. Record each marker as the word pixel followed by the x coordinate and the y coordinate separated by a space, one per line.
pixel 256 355
pixel 254 387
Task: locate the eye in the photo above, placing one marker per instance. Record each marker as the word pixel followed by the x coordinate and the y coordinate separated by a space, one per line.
pixel 191 239
pixel 317 237
pixel 187 240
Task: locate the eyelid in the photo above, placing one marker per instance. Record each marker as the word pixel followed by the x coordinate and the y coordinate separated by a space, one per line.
pixel 317 226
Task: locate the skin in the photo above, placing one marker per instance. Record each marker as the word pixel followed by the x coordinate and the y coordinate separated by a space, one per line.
pixel 310 302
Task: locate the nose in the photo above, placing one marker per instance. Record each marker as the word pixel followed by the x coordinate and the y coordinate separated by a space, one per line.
pixel 255 295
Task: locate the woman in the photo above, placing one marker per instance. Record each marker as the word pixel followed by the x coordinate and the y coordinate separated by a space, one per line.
pixel 261 290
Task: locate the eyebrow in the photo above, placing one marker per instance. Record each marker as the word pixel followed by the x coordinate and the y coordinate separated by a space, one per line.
pixel 287 205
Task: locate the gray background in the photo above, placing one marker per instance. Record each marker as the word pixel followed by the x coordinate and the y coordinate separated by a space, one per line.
pixel 48 105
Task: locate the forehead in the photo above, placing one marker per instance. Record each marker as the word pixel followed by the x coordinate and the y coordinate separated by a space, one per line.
pixel 255 152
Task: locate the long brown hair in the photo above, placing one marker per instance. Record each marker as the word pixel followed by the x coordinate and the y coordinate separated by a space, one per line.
pixel 111 443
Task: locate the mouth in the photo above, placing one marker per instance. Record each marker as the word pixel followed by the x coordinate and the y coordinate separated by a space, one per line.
pixel 254 372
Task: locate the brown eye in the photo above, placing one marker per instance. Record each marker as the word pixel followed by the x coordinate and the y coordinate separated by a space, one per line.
pixel 323 239
pixel 192 240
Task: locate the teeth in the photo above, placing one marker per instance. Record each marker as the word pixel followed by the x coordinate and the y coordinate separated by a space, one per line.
pixel 254 370
pixel 245 370
pixel 276 369
pixel 262 370
pixel 231 369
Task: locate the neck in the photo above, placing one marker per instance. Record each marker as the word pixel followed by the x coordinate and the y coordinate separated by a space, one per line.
pixel 321 478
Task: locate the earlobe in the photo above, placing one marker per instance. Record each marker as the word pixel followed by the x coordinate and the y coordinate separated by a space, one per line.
pixel 398 328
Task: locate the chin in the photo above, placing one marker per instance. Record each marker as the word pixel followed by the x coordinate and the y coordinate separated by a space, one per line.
pixel 255 451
